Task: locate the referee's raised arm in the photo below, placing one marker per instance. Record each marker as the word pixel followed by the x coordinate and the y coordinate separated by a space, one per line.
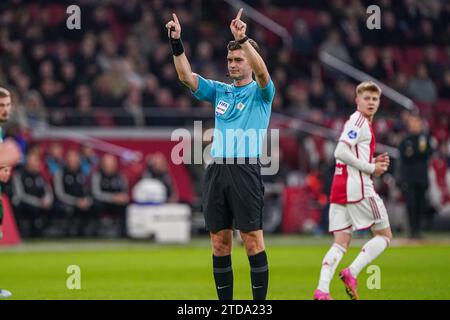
pixel 182 64
pixel 238 29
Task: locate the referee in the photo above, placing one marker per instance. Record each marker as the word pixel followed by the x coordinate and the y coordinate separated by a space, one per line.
pixel 233 189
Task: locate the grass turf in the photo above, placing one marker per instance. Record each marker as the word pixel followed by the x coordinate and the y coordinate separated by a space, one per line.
pixel 130 270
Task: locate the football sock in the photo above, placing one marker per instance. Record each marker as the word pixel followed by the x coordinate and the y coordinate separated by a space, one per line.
pixel 329 265
pixel 259 275
pixel 370 251
pixel 223 276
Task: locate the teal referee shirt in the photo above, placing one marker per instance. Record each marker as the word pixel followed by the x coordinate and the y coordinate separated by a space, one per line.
pixel 242 115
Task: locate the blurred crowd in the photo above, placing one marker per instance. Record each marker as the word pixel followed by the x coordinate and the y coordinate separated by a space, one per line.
pixel 75 191
pixel 120 58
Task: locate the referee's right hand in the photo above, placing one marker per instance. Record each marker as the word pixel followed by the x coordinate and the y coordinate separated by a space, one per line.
pixel 174 27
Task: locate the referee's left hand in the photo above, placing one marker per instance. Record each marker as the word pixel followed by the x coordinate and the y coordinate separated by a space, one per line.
pixel 238 27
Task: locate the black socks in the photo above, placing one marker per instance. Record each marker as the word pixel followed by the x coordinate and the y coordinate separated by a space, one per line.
pixel 259 275
pixel 223 276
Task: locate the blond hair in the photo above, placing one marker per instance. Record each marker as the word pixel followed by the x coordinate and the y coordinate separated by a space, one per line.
pixel 367 86
pixel 4 93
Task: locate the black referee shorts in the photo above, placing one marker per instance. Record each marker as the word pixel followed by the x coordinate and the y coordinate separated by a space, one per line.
pixel 233 196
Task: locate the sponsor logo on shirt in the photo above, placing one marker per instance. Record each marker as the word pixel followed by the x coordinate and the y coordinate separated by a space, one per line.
pixel 352 134
pixel 240 106
pixel 222 107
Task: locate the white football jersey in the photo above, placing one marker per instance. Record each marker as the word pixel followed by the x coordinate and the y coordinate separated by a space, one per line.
pixel 351 185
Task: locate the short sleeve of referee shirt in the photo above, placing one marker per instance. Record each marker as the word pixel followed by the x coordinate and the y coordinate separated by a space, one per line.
pixel 206 90
pixel 268 92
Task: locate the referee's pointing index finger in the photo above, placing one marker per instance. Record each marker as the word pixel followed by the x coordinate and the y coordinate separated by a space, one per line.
pixel 175 18
pixel 239 13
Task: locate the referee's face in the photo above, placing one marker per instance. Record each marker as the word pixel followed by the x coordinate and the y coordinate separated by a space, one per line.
pixel 238 66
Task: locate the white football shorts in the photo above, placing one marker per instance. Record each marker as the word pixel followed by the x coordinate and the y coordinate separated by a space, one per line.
pixel 369 213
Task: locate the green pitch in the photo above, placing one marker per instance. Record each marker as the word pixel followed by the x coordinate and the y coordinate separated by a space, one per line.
pixel 137 270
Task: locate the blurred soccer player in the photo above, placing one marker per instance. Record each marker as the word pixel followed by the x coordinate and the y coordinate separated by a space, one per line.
pixel 9 156
pixel 355 205
pixel 233 192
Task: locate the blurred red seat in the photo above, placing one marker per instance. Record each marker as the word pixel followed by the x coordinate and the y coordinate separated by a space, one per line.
pixel 443 106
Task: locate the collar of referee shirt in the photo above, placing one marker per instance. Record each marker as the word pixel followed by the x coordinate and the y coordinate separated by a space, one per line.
pixel 242 86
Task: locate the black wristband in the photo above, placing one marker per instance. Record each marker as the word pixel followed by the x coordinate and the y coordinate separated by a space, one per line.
pixel 177 46
pixel 242 40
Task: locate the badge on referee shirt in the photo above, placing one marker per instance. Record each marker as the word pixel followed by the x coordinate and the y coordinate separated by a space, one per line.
pixel 240 106
pixel 222 107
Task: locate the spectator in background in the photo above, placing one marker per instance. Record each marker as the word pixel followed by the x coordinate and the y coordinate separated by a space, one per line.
pixel 110 191
pixel 302 42
pixel 72 193
pixel 439 172
pixel 434 68
pixel 299 100
pixel 415 151
pixel 84 114
pixel 368 63
pixel 36 113
pixel 133 105
pixel 318 95
pixel 390 32
pixel 319 32
pixel 69 80
pixel 401 83
pixel 389 67
pixel 444 91
pixel 425 33
pixel 335 47
pixel 88 159
pixel 32 197
pixel 150 91
pixel 55 158
pixel 157 168
pixel 421 87
pixel 85 59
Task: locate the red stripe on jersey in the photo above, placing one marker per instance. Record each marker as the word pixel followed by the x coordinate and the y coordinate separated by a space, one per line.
pixel 360 121
pixel 374 211
pixel 372 144
pixel 376 208
pixel 371 207
pixel 360 174
pixel 338 192
pixel 348 144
